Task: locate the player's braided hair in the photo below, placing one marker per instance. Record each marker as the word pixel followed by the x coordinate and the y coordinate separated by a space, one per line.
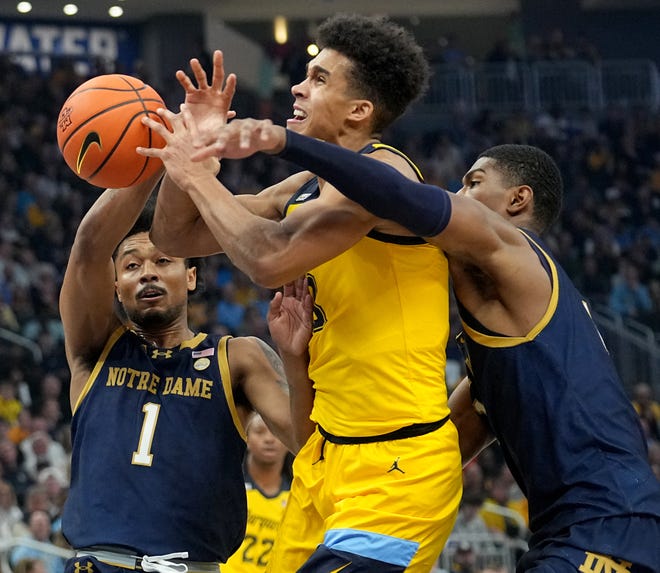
pixel 528 165
pixel 389 67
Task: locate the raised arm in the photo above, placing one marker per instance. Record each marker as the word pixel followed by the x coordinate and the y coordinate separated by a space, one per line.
pixel 178 228
pixel 270 252
pixel 87 295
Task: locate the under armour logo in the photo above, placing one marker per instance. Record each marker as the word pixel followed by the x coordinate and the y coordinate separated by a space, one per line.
pixel 395 466
pixel 161 353
pixel 86 568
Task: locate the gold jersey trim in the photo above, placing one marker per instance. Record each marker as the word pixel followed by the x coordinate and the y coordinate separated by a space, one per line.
pixel 99 364
pixel 225 376
pixel 509 341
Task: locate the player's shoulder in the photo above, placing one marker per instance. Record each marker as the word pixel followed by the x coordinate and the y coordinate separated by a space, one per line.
pixel 396 158
pixel 248 351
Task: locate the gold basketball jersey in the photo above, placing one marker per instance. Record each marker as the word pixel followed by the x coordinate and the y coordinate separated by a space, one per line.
pixel 377 354
pixel 264 518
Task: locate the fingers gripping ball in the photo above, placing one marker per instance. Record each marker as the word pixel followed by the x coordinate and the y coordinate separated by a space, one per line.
pixel 100 126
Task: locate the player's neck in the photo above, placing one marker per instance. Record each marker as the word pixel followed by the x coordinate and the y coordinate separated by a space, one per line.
pixel 267 477
pixel 167 337
pixel 355 140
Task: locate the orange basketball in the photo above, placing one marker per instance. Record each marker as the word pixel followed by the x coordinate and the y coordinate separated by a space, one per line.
pixel 99 128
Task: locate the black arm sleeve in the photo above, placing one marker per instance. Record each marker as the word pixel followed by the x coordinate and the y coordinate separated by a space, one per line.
pixel 423 209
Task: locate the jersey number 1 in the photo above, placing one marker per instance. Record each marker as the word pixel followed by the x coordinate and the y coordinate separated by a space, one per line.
pixel 143 455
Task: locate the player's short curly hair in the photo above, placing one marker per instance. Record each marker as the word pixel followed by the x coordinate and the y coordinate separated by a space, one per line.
pixel 389 67
pixel 528 165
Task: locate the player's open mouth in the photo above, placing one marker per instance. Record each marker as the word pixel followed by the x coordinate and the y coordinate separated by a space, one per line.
pixel 298 115
pixel 150 293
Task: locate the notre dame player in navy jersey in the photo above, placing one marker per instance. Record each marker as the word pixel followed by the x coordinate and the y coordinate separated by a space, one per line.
pixel 541 380
pixel 158 410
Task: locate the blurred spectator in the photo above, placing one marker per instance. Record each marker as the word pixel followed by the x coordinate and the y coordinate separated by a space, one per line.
pixel 464 559
pixel 469 520
pixel 11 458
pixel 40 451
pixel 11 516
pixel 648 409
pixel 30 565
pixel 10 405
pixel 39 530
pixel 22 428
pixel 56 485
pixel 500 513
pixel 629 296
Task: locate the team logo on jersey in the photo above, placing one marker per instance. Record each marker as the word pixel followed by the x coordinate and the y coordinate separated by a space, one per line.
pixel 88 567
pixel 595 563
pixel 303 196
pixel 395 467
pixel 155 353
pixel 201 364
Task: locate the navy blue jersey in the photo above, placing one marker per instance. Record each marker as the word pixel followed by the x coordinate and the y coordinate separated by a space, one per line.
pixel 566 427
pixel 157 452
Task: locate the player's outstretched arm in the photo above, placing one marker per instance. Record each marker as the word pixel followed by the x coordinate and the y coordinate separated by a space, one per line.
pixel 87 294
pixel 379 188
pixel 178 227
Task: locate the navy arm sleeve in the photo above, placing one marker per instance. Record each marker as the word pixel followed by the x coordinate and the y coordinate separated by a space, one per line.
pixel 423 209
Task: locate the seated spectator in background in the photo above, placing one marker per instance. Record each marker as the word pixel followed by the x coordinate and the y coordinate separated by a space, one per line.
pixel 501 513
pixel 11 516
pixel 22 428
pixel 13 471
pixel 30 565
pixel 648 409
pixel 10 405
pixel 469 520
pixel 629 296
pixel 464 559
pixel 39 530
pixel 40 450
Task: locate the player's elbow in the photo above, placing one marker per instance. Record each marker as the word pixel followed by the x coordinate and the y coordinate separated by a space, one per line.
pixel 263 273
pixel 169 243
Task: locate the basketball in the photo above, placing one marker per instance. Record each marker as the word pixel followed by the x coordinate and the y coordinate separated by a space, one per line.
pixel 99 127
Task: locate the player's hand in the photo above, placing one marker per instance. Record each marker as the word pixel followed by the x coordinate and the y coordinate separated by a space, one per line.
pixel 208 104
pixel 290 318
pixel 238 139
pixel 177 151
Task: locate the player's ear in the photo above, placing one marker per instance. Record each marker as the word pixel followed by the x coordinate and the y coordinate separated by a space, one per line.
pixel 361 109
pixel 117 291
pixel 192 278
pixel 521 198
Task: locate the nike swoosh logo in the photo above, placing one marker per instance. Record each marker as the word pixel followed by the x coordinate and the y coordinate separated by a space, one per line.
pixel 91 138
pixel 341 568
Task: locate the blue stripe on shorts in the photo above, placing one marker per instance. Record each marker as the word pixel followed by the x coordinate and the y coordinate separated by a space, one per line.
pixel 372 545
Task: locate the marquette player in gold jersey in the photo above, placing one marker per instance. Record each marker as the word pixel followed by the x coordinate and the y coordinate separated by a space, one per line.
pixel 377 485
pixel 267 483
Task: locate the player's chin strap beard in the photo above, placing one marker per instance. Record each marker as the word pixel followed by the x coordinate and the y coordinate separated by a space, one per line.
pixel 162 563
